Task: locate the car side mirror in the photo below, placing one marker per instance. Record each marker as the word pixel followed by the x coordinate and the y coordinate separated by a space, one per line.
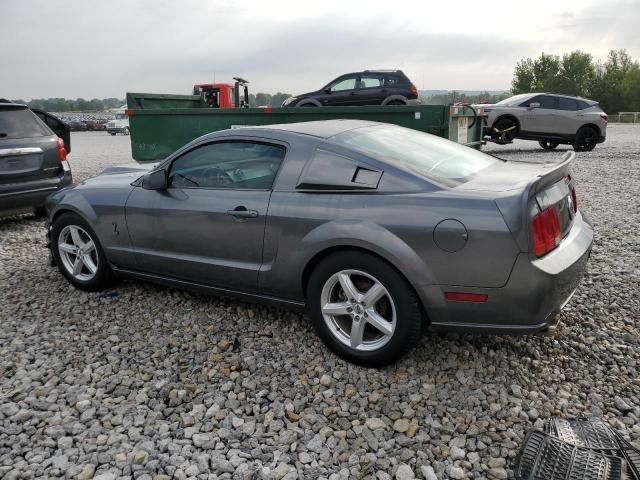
pixel 155 180
pixel 533 105
pixel 327 91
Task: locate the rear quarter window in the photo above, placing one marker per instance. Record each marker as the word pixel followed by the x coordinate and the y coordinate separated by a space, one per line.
pixel 21 123
pixel 425 155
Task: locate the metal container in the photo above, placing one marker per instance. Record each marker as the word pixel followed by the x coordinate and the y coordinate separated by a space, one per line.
pixel 160 124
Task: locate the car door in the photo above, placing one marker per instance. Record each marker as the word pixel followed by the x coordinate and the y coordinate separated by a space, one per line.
pixel 371 90
pixel 341 92
pixel 208 225
pixel 539 119
pixel 568 117
pixel 58 127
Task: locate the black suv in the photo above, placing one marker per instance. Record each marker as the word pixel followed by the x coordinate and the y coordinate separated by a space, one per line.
pixel 33 157
pixel 371 87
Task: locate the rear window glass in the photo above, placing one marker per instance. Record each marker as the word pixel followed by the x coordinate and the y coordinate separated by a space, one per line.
pixel 21 123
pixel 567 104
pixel 429 156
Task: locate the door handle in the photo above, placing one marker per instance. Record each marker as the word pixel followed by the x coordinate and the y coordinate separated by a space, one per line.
pixel 242 212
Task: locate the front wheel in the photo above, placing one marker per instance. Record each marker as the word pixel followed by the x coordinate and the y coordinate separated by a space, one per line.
pixel 547 145
pixel 78 253
pixel 504 130
pixel 363 309
pixel 586 140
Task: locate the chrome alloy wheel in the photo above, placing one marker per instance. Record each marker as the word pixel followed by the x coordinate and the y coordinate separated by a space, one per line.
pixel 358 310
pixel 78 253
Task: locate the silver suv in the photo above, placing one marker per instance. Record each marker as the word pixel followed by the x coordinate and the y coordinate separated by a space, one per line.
pixel 549 119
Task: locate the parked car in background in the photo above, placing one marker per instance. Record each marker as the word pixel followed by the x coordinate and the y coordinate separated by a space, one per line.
pixel 550 119
pixel 78 126
pixel 371 87
pixel 33 159
pixel 375 228
pixel 119 124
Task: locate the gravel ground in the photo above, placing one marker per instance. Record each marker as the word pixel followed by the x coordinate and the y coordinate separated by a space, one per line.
pixel 159 383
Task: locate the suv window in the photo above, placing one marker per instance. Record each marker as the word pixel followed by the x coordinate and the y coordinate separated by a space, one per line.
pixel 370 81
pixel 567 104
pixel 545 101
pixel 21 123
pixel 230 164
pixel 344 84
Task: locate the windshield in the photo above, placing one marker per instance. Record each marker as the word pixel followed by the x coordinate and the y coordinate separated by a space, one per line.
pixel 516 99
pixel 427 155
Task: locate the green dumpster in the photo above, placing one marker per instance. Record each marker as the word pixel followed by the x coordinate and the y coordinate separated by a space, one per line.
pixel 159 124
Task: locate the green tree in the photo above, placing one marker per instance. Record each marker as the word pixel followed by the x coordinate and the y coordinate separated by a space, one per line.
pixel 576 73
pixel 630 87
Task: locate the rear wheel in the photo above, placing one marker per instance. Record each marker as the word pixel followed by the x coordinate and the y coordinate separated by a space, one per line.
pixel 547 145
pixel 78 253
pixel 395 102
pixel 504 130
pixel 586 139
pixel 125 131
pixel 363 309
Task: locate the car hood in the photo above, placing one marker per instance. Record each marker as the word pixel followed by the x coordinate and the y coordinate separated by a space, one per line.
pixel 119 175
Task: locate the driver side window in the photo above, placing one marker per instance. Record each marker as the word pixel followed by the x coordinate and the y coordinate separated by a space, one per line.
pixel 348 83
pixel 231 164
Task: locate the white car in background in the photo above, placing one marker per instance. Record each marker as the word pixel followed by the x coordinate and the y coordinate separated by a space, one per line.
pixel 550 119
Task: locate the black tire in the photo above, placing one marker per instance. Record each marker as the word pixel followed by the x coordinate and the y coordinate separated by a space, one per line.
pixel 112 133
pixel 399 299
pixel 309 104
pixel 395 102
pixel 547 145
pixel 586 139
pixel 103 276
pixel 125 131
pixel 506 125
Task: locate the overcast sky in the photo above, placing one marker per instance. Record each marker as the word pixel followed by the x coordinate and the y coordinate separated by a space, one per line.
pixel 100 48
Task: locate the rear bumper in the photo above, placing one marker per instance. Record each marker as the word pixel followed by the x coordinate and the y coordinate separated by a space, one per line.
pixel 534 294
pixel 22 195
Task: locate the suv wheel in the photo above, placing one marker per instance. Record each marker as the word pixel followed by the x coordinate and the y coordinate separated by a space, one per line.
pixel 586 139
pixel 78 253
pixel 547 145
pixel 395 102
pixel 504 130
pixel 363 309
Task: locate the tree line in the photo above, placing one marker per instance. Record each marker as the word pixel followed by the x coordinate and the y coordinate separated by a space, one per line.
pixel 77 105
pixel 614 83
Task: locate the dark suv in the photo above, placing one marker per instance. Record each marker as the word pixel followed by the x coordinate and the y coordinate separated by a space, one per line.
pixel 33 157
pixel 371 87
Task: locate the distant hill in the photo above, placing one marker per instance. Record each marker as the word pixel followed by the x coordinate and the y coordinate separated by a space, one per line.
pixel 469 93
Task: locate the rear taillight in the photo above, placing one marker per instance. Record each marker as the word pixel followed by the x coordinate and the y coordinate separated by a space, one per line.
pixel 546 231
pixel 574 198
pixel 62 156
pixel 604 117
pixel 413 89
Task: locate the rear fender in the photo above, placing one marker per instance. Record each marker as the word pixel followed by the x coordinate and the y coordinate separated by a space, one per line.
pixel 367 236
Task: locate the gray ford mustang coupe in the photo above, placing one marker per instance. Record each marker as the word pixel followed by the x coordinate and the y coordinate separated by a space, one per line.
pixel 376 229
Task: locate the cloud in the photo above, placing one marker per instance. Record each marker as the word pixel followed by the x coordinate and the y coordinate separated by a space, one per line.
pixel 98 49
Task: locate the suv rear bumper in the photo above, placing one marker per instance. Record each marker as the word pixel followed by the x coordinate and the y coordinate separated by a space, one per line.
pixel 22 195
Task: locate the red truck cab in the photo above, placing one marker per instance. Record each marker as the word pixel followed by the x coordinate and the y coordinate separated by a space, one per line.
pixel 224 95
